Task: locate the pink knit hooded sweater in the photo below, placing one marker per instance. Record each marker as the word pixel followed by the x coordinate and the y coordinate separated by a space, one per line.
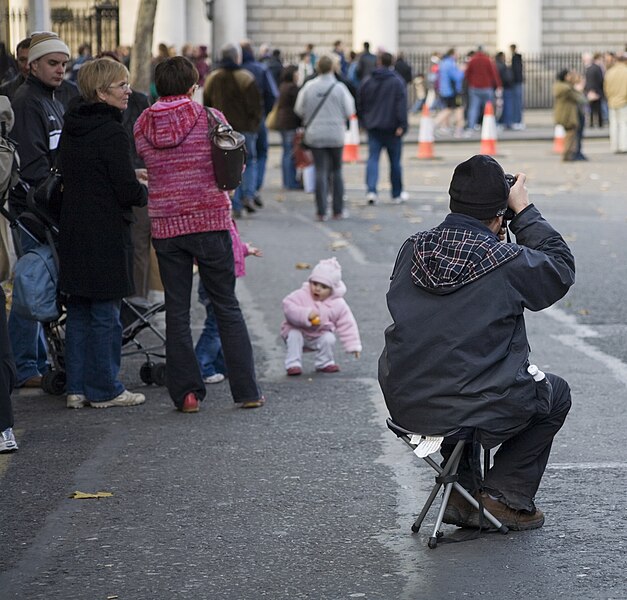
pixel 172 138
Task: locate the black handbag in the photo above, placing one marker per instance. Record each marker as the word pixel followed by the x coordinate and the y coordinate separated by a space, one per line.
pixel 228 152
pixel 48 196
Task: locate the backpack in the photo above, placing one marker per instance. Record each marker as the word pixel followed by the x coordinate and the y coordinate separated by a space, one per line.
pixel 35 285
pixel 9 159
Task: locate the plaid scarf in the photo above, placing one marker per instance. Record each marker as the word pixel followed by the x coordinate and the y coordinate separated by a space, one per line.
pixel 447 258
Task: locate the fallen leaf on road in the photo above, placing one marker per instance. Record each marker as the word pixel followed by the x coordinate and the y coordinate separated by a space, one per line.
pixel 337 245
pixel 416 220
pixel 302 265
pixel 88 496
pixel 583 312
pixel 375 228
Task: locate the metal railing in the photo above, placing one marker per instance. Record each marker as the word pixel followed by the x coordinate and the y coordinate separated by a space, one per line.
pixel 539 71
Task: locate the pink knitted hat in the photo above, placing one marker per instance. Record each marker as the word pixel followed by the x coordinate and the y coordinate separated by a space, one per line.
pixel 328 272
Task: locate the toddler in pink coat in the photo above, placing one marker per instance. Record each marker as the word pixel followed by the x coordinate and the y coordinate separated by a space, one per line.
pixel 314 314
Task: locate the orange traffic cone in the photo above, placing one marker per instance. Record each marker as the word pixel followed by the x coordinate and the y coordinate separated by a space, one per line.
pixel 488 131
pixel 425 134
pixel 558 139
pixel 351 141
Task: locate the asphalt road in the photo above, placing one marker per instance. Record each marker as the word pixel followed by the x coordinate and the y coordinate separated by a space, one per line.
pixel 311 497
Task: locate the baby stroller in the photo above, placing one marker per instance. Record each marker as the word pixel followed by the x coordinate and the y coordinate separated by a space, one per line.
pixel 40 223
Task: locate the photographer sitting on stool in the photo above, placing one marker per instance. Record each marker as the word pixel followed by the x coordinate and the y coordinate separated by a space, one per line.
pixel 456 355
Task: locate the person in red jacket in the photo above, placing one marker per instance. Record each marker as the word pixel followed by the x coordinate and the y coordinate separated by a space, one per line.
pixel 483 81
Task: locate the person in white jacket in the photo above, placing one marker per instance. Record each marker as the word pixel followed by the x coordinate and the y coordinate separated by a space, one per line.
pixel 324 104
pixel 314 313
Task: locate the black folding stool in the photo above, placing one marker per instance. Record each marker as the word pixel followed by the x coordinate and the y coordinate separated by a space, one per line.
pixel 446 476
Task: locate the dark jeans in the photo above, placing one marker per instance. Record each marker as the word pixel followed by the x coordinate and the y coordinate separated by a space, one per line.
pixel 262 154
pixel 328 163
pixel 522 458
pixel 7 369
pixel 377 140
pixel 209 345
pixel 213 252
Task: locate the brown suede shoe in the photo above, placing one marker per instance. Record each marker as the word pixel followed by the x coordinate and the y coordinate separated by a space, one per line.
pixel 516 520
pixel 458 511
pixel 32 382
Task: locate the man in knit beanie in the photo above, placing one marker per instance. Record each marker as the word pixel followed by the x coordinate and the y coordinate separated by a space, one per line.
pixel 456 358
pixel 37 129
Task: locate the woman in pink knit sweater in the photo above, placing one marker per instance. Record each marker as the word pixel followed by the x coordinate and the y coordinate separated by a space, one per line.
pixel 190 220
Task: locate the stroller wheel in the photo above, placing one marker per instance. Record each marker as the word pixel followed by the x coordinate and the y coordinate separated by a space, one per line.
pixel 53 382
pixel 158 374
pixel 145 372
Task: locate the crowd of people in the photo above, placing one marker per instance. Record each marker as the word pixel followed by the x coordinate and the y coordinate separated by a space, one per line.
pixel 116 162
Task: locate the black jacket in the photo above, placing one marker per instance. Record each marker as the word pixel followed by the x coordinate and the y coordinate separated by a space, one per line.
pixel 382 101
pixel 457 353
pixel 38 123
pixel 100 189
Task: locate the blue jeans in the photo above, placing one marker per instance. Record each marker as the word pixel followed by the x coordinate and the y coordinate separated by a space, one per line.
pixel 328 163
pixel 209 345
pixel 517 103
pixel 377 140
pixel 507 114
pixel 26 336
pixel 7 369
pixel 477 98
pixel 248 187
pixel 213 252
pixel 262 154
pixel 93 348
pixel 288 168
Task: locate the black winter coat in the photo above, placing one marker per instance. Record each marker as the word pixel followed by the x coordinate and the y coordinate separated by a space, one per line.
pixel 457 353
pixel 100 189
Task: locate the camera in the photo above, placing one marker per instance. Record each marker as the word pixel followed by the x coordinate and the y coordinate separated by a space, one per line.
pixel 509 213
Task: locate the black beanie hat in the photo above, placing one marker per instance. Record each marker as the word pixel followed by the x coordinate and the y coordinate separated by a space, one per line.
pixel 479 188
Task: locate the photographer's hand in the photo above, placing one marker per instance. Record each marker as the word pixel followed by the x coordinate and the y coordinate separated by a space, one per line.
pixel 518 196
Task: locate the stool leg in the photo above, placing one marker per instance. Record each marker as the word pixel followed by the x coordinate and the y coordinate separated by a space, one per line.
pixel 425 509
pixel 450 468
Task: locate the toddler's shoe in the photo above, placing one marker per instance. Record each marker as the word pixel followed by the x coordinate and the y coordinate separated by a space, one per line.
pixel 217 378
pixel 293 371
pixel 329 369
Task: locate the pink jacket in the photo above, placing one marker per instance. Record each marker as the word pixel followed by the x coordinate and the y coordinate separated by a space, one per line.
pixel 172 138
pixel 335 316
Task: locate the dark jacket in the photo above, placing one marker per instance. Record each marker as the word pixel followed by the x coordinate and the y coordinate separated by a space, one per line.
pixel 287 119
pixel 38 123
pixel 517 68
pixel 233 91
pixel 265 82
pixel 137 104
pixel 382 101
pixel 100 189
pixel 457 353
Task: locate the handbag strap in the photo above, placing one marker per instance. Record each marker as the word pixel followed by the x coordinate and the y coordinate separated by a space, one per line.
pixel 315 112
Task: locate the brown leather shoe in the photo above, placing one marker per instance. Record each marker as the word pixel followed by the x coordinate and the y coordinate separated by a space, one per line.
pixel 516 520
pixel 458 511
pixel 32 382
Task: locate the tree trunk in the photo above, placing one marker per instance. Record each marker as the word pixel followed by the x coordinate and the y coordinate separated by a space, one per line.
pixel 141 56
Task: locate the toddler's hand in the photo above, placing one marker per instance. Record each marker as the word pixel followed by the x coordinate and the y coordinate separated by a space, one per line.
pixel 254 251
pixel 314 318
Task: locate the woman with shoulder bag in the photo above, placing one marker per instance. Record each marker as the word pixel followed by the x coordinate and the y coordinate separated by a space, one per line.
pixel 100 188
pixel 191 218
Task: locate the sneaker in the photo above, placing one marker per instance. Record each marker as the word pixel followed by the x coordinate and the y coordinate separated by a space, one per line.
pixel 7 441
pixel 76 401
pixel 190 403
pixel 372 197
pixel 342 215
pixel 401 199
pixel 293 371
pixel 329 369
pixel 126 398
pixel 254 403
pixel 516 520
pixel 248 205
pixel 258 201
pixel 217 378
